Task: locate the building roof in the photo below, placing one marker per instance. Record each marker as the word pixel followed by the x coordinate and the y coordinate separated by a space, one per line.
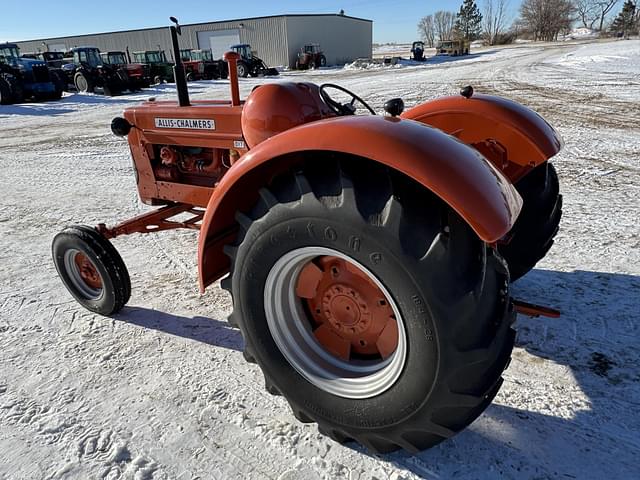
pixel 202 23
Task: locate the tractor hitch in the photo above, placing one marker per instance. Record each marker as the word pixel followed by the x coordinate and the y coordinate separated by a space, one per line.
pixel 532 310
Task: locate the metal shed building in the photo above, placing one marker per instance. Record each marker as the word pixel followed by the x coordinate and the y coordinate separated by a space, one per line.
pixel 276 39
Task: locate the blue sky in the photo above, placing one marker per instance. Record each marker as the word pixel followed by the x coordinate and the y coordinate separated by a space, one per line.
pixel 393 20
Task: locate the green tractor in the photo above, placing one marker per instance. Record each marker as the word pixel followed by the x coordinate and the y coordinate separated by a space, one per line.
pixel 160 69
pixel 250 64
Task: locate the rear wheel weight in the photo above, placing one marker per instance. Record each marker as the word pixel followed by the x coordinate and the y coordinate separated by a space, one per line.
pixel 453 339
pixel 91 269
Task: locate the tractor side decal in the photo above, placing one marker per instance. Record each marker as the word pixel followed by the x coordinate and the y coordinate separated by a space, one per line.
pixel 188 123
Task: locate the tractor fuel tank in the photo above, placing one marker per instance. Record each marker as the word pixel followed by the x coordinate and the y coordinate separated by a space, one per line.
pixel 276 107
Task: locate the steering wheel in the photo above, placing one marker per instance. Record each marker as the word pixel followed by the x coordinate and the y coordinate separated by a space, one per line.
pixel 342 108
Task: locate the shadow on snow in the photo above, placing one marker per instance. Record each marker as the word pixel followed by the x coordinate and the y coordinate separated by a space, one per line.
pixel 596 339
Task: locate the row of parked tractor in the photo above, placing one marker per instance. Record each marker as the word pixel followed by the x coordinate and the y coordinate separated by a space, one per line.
pixel 46 75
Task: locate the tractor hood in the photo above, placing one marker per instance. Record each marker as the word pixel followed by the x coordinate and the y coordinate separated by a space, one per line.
pixel 26 63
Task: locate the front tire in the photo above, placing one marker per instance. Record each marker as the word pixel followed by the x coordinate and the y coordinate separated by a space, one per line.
pixel 537 225
pixel 243 69
pixel 83 83
pixel 446 293
pixel 91 269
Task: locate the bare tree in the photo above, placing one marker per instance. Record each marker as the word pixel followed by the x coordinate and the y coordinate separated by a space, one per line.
pixel 494 19
pixel 604 7
pixel 545 19
pixel 444 22
pixel 588 12
pixel 427 30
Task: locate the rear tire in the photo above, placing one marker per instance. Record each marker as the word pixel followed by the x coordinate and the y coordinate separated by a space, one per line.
pixel 533 233
pixel 91 269
pixel 450 290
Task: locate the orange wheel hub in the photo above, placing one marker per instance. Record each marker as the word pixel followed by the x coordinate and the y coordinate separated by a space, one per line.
pixel 351 316
pixel 88 271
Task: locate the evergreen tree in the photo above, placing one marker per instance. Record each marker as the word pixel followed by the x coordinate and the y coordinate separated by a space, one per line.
pixel 469 20
pixel 625 22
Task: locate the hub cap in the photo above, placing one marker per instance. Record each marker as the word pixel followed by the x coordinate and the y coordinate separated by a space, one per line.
pixel 335 322
pixel 83 274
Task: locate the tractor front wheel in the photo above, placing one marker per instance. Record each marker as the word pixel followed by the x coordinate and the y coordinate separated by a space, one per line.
pixel 371 306
pixel 243 69
pixel 91 269
pixel 537 225
pixel 83 83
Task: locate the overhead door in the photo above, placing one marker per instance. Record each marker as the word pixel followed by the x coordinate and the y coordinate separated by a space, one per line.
pixel 218 41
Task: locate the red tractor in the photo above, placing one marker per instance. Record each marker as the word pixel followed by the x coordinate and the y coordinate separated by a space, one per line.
pixel 139 73
pixel 369 257
pixel 311 57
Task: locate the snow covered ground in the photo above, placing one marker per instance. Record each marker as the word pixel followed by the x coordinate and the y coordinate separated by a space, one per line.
pixel 162 390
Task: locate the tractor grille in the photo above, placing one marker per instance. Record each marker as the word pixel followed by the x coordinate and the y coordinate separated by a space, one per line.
pixel 40 73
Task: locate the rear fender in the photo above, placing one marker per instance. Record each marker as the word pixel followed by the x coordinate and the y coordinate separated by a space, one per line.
pixel 458 174
pixel 513 137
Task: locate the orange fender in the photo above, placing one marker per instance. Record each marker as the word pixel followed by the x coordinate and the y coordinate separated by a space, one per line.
pixel 513 137
pixel 458 174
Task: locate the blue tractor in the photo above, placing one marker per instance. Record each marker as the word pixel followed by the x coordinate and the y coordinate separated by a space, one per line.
pixel 27 78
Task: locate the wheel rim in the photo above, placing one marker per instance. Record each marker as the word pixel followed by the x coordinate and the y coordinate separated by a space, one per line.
pixel 83 274
pixel 82 84
pixel 335 322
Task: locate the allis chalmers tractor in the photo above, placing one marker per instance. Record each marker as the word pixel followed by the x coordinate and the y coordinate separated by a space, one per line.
pixel 311 57
pixel 368 257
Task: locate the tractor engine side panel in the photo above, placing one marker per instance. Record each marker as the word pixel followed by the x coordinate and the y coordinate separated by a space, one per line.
pixel 180 154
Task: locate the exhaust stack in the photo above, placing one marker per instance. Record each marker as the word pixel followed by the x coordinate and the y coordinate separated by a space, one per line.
pixel 178 68
pixel 232 61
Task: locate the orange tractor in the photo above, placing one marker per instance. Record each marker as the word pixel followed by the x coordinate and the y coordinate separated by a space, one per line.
pixel 369 257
